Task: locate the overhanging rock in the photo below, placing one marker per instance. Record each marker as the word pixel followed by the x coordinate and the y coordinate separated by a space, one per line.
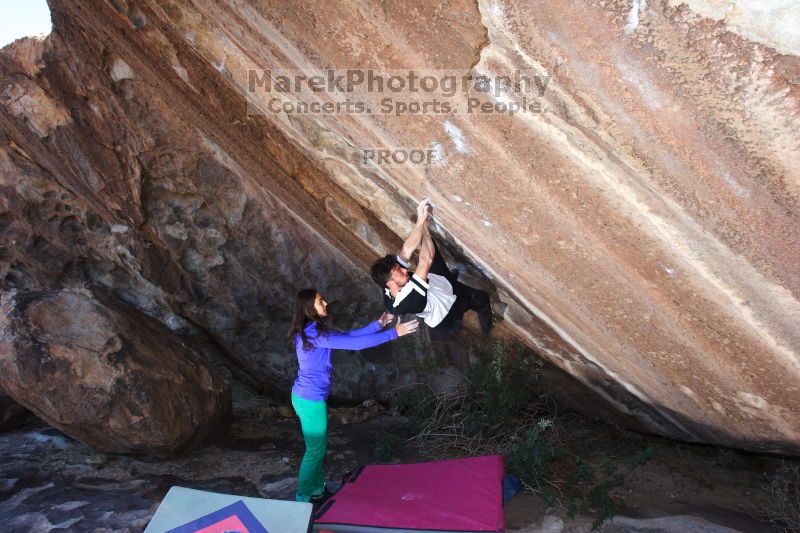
pixel 640 227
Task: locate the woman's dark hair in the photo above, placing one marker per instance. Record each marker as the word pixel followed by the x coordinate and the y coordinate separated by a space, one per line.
pixel 304 313
pixel 381 270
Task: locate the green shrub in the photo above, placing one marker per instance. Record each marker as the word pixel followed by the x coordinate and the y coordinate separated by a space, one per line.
pixel 530 456
pixel 641 457
pixel 601 503
pixel 499 390
pixel 589 490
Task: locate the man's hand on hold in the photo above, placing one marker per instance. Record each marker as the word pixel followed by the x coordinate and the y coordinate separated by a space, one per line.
pixel 423 210
pixel 415 237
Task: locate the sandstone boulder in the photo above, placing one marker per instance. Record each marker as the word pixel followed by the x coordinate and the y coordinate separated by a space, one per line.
pixel 637 224
pixel 106 374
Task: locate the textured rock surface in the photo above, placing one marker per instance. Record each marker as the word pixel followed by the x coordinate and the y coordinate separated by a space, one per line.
pixel 139 200
pixel 641 231
pixel 108 375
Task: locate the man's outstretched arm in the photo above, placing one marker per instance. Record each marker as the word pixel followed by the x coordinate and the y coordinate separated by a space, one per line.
pixel 414 238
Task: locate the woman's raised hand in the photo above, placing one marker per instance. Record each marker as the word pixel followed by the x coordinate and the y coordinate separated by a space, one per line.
pixel 385 319
pixel 406 328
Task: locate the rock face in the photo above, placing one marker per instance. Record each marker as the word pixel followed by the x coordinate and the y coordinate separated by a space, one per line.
pixel 106 374
pixel 638 225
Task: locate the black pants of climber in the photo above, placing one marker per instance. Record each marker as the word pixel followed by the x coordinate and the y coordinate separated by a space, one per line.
pixel 467 298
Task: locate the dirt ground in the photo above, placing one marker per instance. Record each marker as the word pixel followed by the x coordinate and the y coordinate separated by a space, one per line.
pixel 49 482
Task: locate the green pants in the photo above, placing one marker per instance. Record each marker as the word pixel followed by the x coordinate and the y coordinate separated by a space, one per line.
pixel 314 423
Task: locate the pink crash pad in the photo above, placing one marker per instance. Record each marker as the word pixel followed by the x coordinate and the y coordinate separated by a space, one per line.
pixel 461 495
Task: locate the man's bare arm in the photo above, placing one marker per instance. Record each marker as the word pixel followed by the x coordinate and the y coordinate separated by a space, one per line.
pixel 414 238
pixel 412 242
pixel 426 253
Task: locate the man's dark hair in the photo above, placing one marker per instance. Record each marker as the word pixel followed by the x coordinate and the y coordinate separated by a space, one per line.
pixel 382 269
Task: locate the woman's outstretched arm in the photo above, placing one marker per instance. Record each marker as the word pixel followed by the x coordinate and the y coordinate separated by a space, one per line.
pixel 342 341
pixel 372 327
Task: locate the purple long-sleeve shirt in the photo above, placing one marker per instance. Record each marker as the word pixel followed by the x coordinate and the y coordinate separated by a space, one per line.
pixel 314 366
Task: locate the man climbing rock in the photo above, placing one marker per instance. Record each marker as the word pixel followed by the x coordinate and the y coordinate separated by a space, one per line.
pixel 433 291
